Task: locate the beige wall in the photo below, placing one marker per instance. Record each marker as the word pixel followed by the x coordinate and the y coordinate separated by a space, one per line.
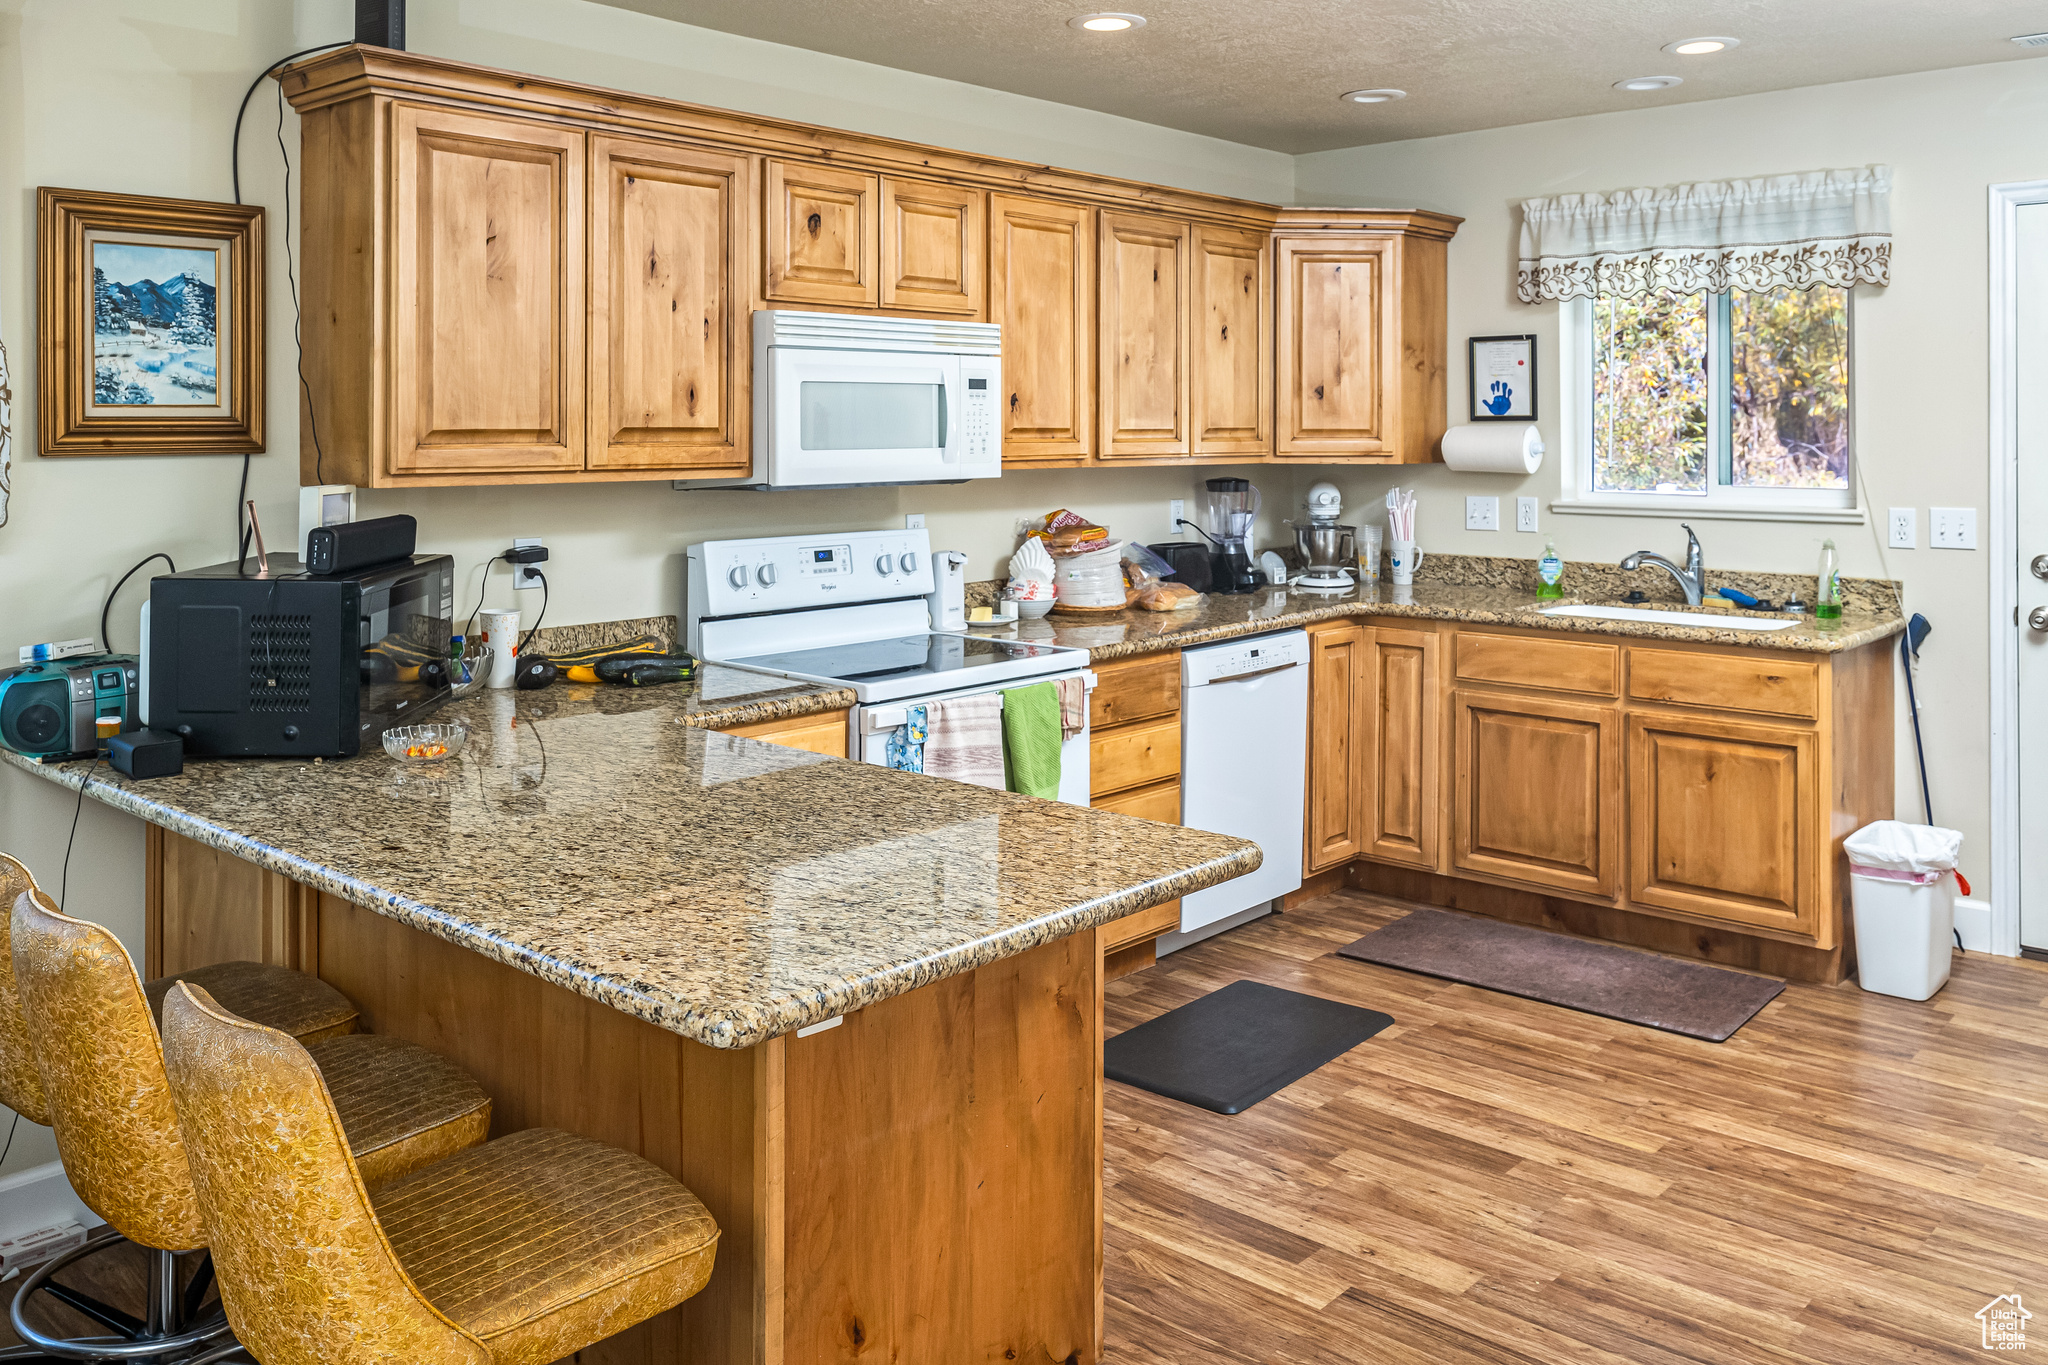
pixel 1919 345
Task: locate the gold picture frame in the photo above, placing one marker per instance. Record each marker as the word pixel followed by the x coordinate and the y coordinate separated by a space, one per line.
pixel 151 325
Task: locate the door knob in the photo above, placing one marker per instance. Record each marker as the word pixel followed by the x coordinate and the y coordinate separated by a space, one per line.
pixel 2038 618
pixel 2039 566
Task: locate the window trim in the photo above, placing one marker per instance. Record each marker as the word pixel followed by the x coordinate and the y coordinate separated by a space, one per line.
pixel 1723 502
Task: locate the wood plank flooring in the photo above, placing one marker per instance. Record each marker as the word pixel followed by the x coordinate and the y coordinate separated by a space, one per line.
pixel 1493 1181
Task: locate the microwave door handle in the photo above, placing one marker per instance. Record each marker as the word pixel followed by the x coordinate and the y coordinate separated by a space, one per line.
pixel 946 451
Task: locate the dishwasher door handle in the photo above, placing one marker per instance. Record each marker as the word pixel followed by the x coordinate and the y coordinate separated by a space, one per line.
pixel 1255 673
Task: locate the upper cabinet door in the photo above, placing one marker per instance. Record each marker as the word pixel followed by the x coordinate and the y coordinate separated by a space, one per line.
pixel 1337 356
pixel 1142 376
pixel 932 243
pixel 487 310
pixel 1231 392
pixel 668 314
pixel 821 232
pixel 1041 291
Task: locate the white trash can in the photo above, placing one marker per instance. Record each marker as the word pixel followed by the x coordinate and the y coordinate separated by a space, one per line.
pixel 1901 880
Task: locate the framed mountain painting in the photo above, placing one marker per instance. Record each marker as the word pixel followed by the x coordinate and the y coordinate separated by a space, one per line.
pixel 151 315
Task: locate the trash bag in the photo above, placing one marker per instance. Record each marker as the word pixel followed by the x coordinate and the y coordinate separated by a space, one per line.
pixel 1922 851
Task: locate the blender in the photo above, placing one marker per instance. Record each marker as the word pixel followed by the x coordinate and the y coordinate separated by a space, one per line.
pixel 1229 507
pixel 1325 547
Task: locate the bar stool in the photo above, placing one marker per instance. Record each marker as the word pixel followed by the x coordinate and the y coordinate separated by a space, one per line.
pixel 304 1006
pixel 99 1054
pixel 521 1252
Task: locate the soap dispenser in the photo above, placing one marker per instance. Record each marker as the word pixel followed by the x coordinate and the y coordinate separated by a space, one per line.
pixel 1550 572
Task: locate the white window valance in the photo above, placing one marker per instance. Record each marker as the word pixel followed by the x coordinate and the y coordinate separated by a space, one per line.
pixel 1784 231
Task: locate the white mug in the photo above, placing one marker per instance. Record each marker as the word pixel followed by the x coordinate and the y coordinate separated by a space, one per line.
pixel 1407 559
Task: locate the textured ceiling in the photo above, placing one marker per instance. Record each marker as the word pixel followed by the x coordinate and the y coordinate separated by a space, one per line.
pixel 1268 72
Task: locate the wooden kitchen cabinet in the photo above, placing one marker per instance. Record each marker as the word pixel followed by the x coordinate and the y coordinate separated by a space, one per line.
pixel 1337 763
pixel 1725 819
pixel 1142 367
pixel 824 733
pixel 669 327
pixel 1400 746
pixel 487 352
pixel 821 235
pixel 1361 339
pixel 1134 769
pixel 1041 291
pixel 1536 790
pixel 1230 361
pixel 933 241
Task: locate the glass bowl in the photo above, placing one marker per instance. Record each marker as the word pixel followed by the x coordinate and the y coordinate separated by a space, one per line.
pixel 479 665
pixel 426 743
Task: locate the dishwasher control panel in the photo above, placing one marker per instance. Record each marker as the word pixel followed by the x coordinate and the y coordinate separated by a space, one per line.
pixel 1240 658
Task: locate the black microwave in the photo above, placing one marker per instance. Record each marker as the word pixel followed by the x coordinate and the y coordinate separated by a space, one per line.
pixel 294 664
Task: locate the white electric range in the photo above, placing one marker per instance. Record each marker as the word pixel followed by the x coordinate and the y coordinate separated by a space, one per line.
pixel 851 609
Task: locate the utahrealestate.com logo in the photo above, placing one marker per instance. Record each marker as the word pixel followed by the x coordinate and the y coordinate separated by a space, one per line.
pixel 2005 1323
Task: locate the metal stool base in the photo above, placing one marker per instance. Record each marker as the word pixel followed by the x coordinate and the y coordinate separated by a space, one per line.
pixel 162 1338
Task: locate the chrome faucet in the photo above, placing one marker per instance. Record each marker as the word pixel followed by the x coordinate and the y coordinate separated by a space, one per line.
pixel 1692 578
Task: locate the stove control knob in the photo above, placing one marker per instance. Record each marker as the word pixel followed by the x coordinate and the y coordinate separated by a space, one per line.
pixel 765 575
pixel 884 565
pixel 907 562
pixel 737 576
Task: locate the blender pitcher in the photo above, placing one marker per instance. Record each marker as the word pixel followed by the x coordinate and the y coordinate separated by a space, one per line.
pixel 1229 507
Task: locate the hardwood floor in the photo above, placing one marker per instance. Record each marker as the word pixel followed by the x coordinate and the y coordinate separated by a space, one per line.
pixel 1492 1181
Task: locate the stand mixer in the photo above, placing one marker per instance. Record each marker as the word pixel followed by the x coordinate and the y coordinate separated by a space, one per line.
pixel 1326 548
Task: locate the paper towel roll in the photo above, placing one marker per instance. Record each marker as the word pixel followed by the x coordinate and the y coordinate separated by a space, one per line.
pixel 1494 448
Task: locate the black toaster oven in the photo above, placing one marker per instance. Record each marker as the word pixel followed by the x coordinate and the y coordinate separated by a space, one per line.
pixel 293 664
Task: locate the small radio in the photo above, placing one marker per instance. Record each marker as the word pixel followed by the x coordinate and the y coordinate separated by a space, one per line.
pixel 51 710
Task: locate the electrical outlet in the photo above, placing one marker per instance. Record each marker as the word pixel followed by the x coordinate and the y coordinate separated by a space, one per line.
pixel 524 575
pixel 1482 514
pixel 1905 528
pixel 913 521
pixel 1176 508
pixel 1525 514
pixel 1952 528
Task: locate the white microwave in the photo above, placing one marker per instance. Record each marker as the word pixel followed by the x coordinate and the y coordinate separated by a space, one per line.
pixel 843 400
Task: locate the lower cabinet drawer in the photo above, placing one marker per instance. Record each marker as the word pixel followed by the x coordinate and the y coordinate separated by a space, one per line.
pixel 1122 933
pixel 1134 756
pixel 1136 690
pixel 822 734
pixel 1774 687
pixel 1160 802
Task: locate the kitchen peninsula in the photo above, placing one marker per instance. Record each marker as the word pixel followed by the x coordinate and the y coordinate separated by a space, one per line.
pixel 857 1011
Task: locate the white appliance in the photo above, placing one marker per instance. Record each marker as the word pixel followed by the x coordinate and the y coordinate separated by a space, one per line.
pixel 843 400
pixel 853 609
pixel 1243 768
pixel 949 590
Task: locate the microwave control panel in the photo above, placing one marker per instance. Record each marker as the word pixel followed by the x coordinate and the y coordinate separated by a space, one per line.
pixel 980 433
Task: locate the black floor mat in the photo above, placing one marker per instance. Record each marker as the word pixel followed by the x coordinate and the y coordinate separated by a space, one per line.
pixel 1235 1046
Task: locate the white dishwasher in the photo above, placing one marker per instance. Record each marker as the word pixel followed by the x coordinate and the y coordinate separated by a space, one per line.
pixel 1244 770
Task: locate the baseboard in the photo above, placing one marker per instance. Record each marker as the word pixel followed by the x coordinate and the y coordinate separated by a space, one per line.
pixel 1985 930
pixel 39 1197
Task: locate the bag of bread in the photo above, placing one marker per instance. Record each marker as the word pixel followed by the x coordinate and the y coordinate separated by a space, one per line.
pixel 1068 533
pixel 1169 597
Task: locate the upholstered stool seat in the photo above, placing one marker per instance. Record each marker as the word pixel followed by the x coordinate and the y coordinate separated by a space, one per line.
pixel 291 1002
pixel 520 1252
pixel 100 1056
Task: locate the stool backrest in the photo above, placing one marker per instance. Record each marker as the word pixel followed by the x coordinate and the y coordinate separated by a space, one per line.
pixel 103 1073
pixel 21 1085
pixel 306 1274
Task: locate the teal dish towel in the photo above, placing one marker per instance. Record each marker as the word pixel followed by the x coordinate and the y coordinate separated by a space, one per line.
pixel 1031 740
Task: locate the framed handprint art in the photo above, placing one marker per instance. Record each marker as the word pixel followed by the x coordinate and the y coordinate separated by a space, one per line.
pixel 1502 375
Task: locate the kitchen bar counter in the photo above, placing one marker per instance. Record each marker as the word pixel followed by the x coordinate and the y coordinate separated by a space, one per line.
pixel 723 889
pixel 1869 616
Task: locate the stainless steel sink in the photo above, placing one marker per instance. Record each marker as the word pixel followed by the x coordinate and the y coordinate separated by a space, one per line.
pixel 1710 620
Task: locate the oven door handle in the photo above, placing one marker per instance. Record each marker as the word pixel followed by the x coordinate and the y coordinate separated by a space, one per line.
pixel 875 720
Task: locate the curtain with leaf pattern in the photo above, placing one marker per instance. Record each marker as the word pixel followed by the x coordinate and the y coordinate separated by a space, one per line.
pixel 1779 232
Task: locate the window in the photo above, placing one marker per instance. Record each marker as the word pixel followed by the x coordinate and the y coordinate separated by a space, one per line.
pixel 1735 402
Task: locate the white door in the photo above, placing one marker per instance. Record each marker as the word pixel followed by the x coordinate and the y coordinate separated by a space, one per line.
pixel 2031 544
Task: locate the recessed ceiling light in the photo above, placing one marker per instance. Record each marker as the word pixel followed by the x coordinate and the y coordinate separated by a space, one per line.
pixel 2032 39
pixel 1641 83
pixel 1380 96
pixel 1107 22
pixel 1700 47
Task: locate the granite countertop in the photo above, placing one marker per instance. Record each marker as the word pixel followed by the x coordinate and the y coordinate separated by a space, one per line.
pixel 1475 591
pixel 724 889
pixel 718 698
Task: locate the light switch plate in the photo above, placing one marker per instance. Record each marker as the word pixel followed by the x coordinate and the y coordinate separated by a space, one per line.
pixel 1525 514
pixel 913 521
pixel 1482 514
pixel 1952 528
pixel 1905 528
pixel 523 576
